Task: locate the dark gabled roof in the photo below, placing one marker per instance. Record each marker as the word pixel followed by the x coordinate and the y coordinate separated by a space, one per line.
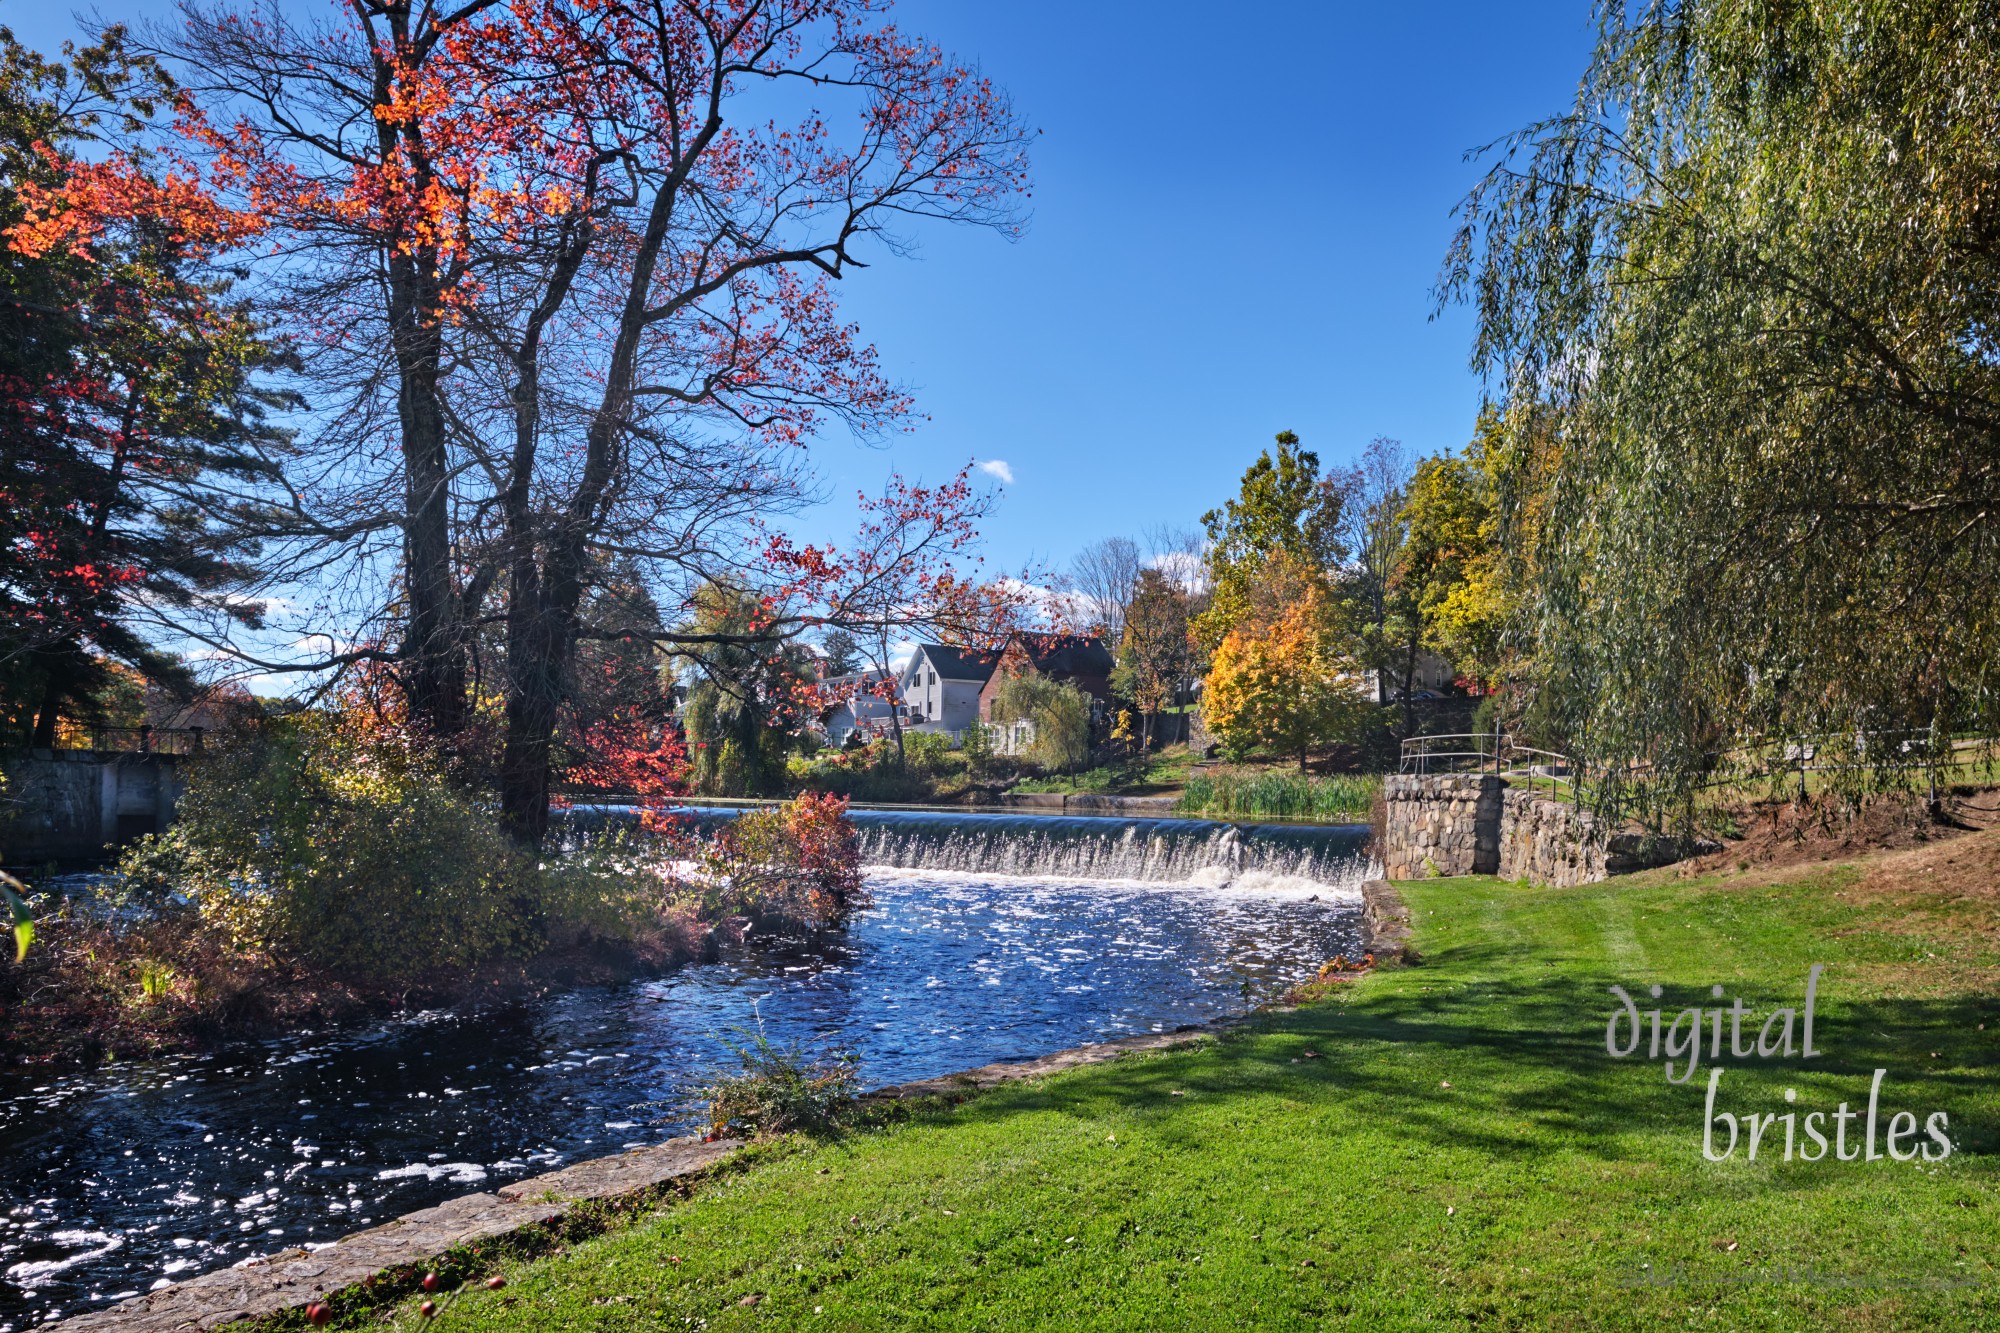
pixel 1068 654
pixel 974 664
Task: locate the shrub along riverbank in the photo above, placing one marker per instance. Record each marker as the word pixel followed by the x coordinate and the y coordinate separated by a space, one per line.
pixel 318 872
pixel 1441 1145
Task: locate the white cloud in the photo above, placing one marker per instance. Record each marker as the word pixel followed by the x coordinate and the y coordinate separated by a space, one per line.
pixel 1183 568
pixel 1056 604
pixel 997 467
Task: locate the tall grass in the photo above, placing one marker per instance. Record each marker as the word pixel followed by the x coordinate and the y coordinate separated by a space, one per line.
pixel 1281 795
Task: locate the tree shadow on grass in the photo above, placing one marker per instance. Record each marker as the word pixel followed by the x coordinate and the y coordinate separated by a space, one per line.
pixel 1529 1073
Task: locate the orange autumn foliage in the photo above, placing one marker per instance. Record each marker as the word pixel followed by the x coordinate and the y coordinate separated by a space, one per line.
pixel 1282 679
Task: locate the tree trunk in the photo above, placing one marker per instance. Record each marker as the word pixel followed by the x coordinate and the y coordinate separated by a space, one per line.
pixel 45 718
pixel 536 663
pixel 895 705
pixel 1304 772
pixel 433 649
pixel 541 637
pixel 1409 685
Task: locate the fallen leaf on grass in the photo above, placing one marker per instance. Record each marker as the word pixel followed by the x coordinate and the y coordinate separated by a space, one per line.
pixel 1450 1211
pixel 1445 1083
pixel 751 1299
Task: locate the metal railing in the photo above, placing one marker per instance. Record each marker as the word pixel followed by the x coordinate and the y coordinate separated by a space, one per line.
pixel 146 740
pixel 1498 754
pixel 1764 762
pixel 1458 752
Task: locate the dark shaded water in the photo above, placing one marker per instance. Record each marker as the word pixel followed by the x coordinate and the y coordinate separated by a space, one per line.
pixel 123 1179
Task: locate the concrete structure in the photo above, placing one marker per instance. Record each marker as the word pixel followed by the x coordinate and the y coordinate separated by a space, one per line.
pixel 77 806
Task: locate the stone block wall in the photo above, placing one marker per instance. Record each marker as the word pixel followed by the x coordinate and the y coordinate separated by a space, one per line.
pixel 1546 842
pixel 1474 824
pixel 1443 825
pixel 75 806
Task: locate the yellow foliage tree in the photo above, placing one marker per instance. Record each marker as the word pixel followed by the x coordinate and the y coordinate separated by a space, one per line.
pixel 1283 678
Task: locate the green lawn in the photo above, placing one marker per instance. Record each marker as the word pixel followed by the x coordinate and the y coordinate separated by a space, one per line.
pixel 1461 1153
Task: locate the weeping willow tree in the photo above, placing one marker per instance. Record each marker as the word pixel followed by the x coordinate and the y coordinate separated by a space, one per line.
pixel 1755 275
pixel 747 680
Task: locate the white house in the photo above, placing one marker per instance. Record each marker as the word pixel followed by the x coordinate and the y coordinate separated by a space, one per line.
pixel 940 687
pixel 1434 678
pixel 863 709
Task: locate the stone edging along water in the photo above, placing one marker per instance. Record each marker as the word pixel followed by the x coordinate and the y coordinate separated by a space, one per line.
pixel 292 1279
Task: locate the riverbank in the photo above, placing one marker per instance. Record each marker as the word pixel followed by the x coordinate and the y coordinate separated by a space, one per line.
pixel 1446 1145
pixel 89 992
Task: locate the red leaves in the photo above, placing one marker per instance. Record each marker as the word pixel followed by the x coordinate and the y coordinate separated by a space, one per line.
pixel 800 861
pixel 95 197
pixel 909 570
pixel 628 754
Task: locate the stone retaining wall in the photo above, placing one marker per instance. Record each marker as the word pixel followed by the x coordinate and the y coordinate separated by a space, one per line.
pixel 1549 843
pixel 76 806
pixel 1441 826
pixel 1474 824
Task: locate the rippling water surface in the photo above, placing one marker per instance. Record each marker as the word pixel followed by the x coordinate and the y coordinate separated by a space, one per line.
pixel 125 1178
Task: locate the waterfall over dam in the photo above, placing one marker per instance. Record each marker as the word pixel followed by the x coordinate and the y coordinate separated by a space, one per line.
pixel 1161 851
pixel 1192 852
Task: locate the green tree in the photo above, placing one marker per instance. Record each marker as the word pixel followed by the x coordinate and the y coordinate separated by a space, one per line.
pixel 1754 272
pixel 1285 504
pixel 1157 654
pixel 840 654
pixel 1059 713
pixel 744 700
pixel 133 394
pixel 1450 566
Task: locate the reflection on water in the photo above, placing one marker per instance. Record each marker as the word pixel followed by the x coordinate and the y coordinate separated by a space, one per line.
pixel 123 1179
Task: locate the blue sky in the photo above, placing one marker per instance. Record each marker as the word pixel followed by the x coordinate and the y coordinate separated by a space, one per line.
pixel 1239 214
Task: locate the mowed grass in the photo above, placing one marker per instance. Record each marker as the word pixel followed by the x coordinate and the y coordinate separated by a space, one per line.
pixel 1440 1146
